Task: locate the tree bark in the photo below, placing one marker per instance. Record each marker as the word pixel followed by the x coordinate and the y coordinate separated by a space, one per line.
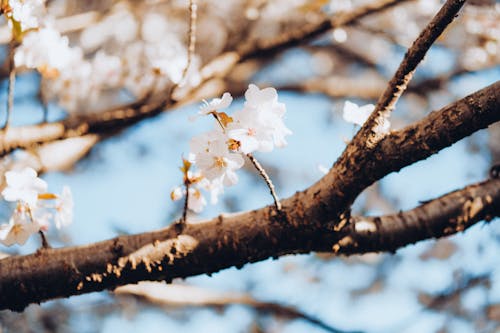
pixel 311 220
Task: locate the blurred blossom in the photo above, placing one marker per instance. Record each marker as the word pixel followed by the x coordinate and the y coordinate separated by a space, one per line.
pixel 474 58
pixel 97 34
pixel 339 35
pixel 340 5
pixel 107 69
pixel 28 13
pixel 154 28
pixel 428 7
pixel 47 51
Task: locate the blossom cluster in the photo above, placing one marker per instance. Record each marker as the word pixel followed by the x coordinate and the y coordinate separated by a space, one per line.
pixel 23 15
pixel 67 75
pixel 35 207
pixel 75 80
pixel 218 154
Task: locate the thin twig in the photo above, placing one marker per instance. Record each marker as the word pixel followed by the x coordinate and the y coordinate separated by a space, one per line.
pixel 404 73
pixel 186 202
pixel 193 9
pixel 267 179
pixel 45 243
pixel 257 166
pixel 10 89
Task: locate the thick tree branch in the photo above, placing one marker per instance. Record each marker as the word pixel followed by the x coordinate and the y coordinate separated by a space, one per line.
pixel 444 216
pixel 312 220
pixel 232 240
pixel 303 225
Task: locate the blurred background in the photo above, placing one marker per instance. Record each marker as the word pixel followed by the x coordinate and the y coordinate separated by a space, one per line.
pixel 122 184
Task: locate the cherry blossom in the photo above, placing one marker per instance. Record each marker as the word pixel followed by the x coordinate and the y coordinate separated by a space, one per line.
pixel 214 187
pixel 47 51
pixel 34 208
pixel 19 228
pixel 355 114
pixel 270 111
pixel 204 143
pixel 215 161
pixel 250 131
pixel 258 126
pixel 216 104
pixel 177 193
pixel 27 13
pixel 106 69
pixel 64 208
pixel 23 185
pixel 196 201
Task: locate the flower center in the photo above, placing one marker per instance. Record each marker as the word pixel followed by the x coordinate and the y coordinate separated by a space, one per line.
pixel 16 229
pixel 219 162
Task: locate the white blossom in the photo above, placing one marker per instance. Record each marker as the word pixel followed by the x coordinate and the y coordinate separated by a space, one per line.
pixel 18 230
pixel 357 114
pixel 47 51
pixel 177 193
pixel 73 87
pixel 214 188
pixel 204 143
pixel 259 126
pixel 154 28
pixel 250 131
pixel 23 185
pixel 64 208
pixel 213 158
pixel 216 104
pixel 383 126
pixel 106 70
pixel 27 12
pixel 196 201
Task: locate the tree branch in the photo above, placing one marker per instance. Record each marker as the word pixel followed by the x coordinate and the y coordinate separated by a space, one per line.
pixel 399 82
pixel 294 38
pixel 449 214
pixel 354 172
pixel 303 225
pixel 176 295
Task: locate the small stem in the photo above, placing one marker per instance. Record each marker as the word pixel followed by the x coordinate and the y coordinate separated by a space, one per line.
pixel 45 244
pixel 268 181
pixel 186 202
pixel 216 116
pixel 193 9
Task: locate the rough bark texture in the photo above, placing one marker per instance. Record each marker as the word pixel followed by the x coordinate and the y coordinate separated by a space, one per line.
pixel 317 219
pixel 359 168
pixel 306 223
